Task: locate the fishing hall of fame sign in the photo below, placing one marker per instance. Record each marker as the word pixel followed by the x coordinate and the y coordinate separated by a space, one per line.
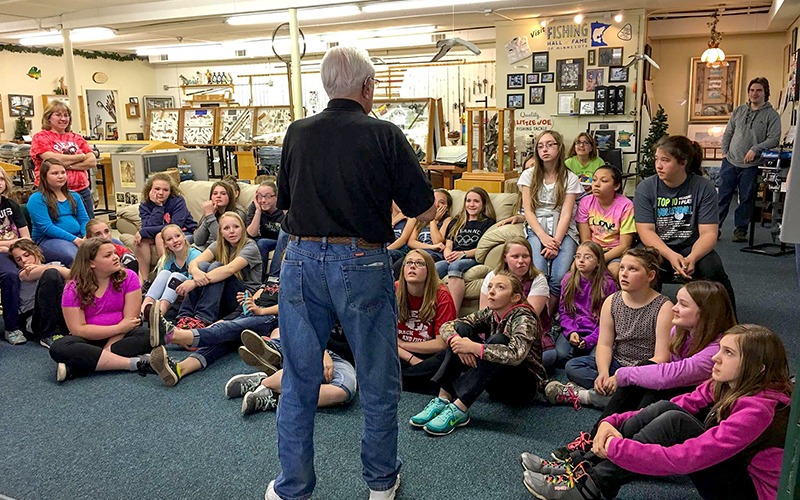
pixel 572 35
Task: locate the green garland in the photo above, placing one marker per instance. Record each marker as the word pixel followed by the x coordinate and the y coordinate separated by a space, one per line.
pixel 88 54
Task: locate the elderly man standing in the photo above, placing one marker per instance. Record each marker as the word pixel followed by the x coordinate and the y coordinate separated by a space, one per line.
pixel 340 171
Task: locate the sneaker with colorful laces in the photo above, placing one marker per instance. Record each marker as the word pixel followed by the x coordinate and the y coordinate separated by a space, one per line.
pixel 15 337
pixel 539 465
pixel 431 411
pixel 581 444
pixel 49 341
pixel 577 485
pixel 240 385
pixel 447 421
pixel 164 366
pixel 262 399
pixel 561 394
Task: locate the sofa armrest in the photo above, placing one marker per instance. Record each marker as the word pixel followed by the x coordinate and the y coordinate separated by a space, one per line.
pixel 490 247
pixel 128 221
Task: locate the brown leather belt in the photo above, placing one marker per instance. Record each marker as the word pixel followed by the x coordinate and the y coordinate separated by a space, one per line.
pixel 340 240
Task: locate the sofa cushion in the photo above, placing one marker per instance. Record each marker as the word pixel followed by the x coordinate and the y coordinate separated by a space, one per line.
pixel 490 246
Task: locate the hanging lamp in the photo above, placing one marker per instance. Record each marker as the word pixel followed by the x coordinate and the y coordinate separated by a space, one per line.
pixel 714 57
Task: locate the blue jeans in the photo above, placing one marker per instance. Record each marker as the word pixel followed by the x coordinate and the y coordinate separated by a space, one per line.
pixel 160 289
pixel 58 250
pixel 277 255
pixel 565 351
pixel 218 340
pixel 583 370
pixel 88 202
pixel 321 282
pixel 265 246
pixel 9 292
pixel 456 268
pixel 732 178
pixel 213 300
pixel 558 266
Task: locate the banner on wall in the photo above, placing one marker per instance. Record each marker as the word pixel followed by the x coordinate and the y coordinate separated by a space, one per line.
pixel 573 35
pixel 530 123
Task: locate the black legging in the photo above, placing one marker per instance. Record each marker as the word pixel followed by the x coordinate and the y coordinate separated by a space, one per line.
pixel 708 268
pixel 82 355
pixel 47 315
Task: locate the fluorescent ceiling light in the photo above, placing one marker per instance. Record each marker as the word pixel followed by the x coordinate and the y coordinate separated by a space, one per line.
pixel 155 51
pixel 378 33
pixel 302 15
pixel 419 4
pixel 76 36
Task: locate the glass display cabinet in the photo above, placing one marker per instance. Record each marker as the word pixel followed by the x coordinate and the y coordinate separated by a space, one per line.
pixel 490 142
pixel 197 126
pixel 163 124
pixel 271 123
pixel 235 126
pixel 418 118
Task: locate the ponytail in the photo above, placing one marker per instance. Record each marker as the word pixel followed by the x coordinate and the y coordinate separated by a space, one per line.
pixel 685 151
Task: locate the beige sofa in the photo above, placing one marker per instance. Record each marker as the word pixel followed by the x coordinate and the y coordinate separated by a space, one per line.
pixel 489 248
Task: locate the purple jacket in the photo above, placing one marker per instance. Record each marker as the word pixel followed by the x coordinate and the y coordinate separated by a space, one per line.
pixel 681 371
pixel 749 418
pixel 583 321
pixel 155 217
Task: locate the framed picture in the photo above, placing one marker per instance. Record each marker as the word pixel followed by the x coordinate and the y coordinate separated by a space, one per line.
pixel 569 74
pixel 610 135
pixel 548 77
pixel 120 197
pixel 133 100
pixel 648 51
pixel 516 101
pixel 586 107
pixel 516 81
pixel 707 135
pixel 536 94
pixel 111 131
pixel 591 55
pixel 531 78
pixel 617 74
pixel 610 56
pixel 714 92
pixel 541 62
pixel 594 77
pixel 20 105
pixel 565 103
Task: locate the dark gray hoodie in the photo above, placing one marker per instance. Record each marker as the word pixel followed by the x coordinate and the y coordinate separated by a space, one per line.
pixel 748 129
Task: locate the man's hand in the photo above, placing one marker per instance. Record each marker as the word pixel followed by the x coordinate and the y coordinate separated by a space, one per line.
pixel 327 367
pixel 749 156
pixel 427 215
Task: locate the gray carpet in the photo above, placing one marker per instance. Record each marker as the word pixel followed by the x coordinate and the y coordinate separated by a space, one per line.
pixel 119 436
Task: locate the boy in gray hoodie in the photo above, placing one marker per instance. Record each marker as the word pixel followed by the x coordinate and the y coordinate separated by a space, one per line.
pixel 754 127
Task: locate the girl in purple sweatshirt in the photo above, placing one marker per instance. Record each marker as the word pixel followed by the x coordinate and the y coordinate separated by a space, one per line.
pixel 727 435
pixel 583 290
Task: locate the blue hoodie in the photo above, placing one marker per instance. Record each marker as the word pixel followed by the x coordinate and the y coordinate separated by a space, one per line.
pixel 173 211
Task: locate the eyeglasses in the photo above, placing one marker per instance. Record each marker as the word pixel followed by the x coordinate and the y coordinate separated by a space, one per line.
pixel 546 145
pixel 375 80
pixel 585 257
pixel 583 143
pixel 414 263
pixel 267 196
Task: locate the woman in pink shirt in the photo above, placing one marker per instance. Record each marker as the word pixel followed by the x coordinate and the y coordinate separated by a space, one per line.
pixel 101 308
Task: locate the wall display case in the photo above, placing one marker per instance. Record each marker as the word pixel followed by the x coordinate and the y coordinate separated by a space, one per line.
pixel 271 123
pixel 163 124
pixel 197 126
pixel 235 126
pixel 418 118
pixel 490 139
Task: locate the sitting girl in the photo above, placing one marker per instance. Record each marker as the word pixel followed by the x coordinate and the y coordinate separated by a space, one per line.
pixel 58 215
pixel 231 264
pixel 430 236
pixel 548 192
pixel 463 234
pixel 583 291
pixel 162 204
pixel 728 435
pixel 606 217
pixel 496 349
pixel 39 294
pixel 423 306
pixel 13 228
pixel 694 340
pixel 582 159
pixel 173 269
pixel 634 327
pixel 264 219
pixel 99 229
pixel 221 199
pixel 101 310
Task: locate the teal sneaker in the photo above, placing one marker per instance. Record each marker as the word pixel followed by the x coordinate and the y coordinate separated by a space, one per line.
pixel 430 412
pixel 447 421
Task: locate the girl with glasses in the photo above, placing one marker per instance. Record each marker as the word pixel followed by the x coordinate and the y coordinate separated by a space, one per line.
pixel 582 159
pixel 264 219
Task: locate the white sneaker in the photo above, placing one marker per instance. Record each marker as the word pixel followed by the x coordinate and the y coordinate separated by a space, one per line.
pixel 270 494
pixel 386 494
pixel 15 337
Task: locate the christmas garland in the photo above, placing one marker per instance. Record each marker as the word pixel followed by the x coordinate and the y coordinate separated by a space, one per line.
pixel 87 54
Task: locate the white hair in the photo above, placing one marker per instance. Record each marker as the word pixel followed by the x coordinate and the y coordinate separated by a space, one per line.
pixel 343 71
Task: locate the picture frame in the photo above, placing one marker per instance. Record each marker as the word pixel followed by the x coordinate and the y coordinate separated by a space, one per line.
pixel 20 105
pixel 569 74
pixel 133 100
pixel 515 81
pixel 565 101
pixel 648 51
pixel 614 134
pixel 617 74
pixel 708 136
pixel 536 95
pixel 515 101
pixel 111 131
pixel 591 57
pixel 540 62
pixel 532 78
pixel 548 77
pixel 610 56
pixel 594 77
pixel 586 107
pixel 714 92
pixel 132 136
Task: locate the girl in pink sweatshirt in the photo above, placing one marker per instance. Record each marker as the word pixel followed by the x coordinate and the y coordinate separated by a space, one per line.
pixel 727 435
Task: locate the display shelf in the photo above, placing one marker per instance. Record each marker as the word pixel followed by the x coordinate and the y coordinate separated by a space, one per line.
pixel 163 124
pixel 235 126
pixel 204 94
pixel 418 118
pixel 490 140
pixel 197 126
pixel 271 123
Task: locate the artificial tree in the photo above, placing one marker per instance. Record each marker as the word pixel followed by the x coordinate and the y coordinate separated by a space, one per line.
pixel 658 129
pixel 20 128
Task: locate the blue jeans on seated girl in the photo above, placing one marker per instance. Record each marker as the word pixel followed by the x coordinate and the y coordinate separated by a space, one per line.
pixel 559 266
pixel 583 370
pixel 214 300
pixel 277 254
pixel 456 268
pixel 221 338
pixel 56 250
pixel 265 246
pixel 160 289
pixel 566 351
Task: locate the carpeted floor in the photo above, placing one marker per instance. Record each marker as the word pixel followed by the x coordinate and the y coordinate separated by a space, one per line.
pixel 120 436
